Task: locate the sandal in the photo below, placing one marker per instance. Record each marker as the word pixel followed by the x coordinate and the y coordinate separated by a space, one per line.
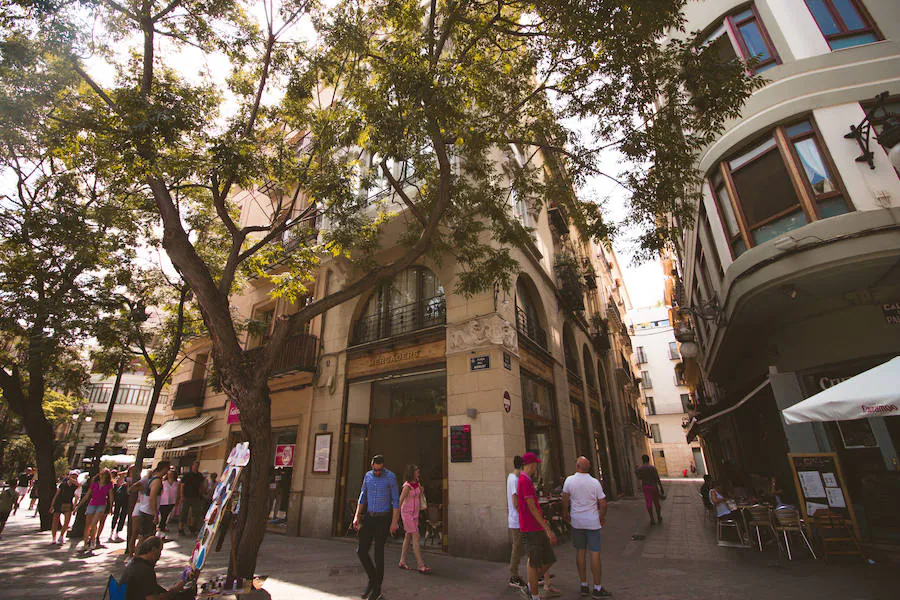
pixel 404 567
pixel 424 570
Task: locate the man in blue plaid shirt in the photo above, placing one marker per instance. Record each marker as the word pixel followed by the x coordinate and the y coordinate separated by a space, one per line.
pixel 377 512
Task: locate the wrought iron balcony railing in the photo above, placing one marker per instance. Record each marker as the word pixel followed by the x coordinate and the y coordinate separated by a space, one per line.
pixel 299 354
pixel 402 319
pixel 530 328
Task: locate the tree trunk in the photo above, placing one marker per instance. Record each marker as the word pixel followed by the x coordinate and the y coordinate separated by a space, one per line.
pixel 148 421
pixel 256 422
pixel 44 455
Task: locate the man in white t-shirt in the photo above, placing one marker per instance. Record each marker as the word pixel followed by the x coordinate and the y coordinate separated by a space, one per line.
pixel 515 536
pixel 585 496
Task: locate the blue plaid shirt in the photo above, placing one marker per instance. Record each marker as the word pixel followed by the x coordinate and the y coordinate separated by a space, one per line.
pixel 380 494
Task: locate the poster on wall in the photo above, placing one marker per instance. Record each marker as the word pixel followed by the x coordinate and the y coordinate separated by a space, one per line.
pixel 228 483
pixel 284 455
pixel 322 455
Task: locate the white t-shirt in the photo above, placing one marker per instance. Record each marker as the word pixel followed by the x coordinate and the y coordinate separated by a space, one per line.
pixel 584 491
pixel 511 483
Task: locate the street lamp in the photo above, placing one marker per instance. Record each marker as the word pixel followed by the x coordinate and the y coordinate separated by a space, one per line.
pixel 888 138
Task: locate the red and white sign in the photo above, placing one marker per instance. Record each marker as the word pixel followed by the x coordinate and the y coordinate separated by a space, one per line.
pixel 284 455
pixel 234 415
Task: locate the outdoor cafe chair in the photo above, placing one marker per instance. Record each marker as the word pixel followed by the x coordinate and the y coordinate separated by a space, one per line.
pixel 787 520
pixel 761 518
pixel 729 522
pixel 433 524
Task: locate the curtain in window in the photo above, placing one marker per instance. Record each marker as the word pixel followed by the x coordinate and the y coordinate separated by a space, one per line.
pixel 816 172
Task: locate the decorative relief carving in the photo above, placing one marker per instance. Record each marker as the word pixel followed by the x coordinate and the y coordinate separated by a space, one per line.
pixel 482 331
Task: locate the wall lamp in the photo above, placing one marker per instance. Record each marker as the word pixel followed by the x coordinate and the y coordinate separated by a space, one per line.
pixel 889 138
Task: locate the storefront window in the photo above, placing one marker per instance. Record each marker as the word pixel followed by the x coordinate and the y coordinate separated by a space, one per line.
pixel 537 398
pixel 412 396
pixel 284 450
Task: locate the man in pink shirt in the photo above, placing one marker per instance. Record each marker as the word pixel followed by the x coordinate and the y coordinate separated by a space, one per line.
pixel 536 533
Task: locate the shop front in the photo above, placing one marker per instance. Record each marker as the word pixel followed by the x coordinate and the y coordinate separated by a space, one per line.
pixel 396 408
pixel 541 431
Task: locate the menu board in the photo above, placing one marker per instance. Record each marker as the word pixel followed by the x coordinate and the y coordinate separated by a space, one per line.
pixel 821 486
pixel 460 443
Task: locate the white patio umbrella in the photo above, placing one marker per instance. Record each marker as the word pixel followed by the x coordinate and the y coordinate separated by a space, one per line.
pixel 873 393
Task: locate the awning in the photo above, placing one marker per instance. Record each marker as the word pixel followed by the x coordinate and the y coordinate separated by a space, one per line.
pixel 193 446
pixel 873 393
pixel 696 426
pixel 171 430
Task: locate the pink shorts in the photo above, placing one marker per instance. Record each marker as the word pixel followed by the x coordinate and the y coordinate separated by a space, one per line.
pixel 651 495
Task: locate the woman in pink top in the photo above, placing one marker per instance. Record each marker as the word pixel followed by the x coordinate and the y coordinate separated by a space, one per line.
pixel 410 506
pixel 168 498
pixel 98 504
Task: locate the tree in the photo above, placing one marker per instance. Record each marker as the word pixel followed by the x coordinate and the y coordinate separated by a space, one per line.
pixel 445 87
pixel 58 233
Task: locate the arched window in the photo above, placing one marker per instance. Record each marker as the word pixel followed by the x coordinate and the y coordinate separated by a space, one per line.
pixel 412 300
pixel 528 321
pixel 570 352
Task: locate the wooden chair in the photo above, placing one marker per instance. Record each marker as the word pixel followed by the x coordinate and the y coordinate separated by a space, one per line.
pixel 433 524
pixel 787 520
pixel 835 531
pixel 761 517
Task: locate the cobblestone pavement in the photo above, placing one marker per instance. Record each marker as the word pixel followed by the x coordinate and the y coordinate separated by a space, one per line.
pixel 678 560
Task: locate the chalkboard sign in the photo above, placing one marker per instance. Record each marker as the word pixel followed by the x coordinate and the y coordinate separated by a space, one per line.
pixel 460 443
pixel 821 486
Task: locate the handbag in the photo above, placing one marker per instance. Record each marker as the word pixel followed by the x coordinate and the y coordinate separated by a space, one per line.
pixel 423 503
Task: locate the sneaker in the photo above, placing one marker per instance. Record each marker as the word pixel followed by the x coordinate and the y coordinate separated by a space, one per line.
pixel 517 582
pixel 601 593
pixel 585 590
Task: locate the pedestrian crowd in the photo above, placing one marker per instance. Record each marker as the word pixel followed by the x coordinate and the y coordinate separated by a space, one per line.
pixel 384 504
pixel 146 504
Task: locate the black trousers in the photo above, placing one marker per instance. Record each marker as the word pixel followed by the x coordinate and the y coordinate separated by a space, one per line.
pixel 120 514
pixel 373 529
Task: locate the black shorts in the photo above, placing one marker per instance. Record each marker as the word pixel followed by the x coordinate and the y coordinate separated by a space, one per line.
pixel 538 549
pixel 144 525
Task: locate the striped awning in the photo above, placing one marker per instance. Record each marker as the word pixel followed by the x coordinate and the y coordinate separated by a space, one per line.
pixel 172 429
pixel 192 446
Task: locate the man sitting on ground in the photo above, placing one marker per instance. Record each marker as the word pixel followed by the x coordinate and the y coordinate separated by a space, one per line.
pixel 140 575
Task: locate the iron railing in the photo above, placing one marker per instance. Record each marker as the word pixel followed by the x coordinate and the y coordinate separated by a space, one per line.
pixel 403 319
pixel 299 354
pixel 530 328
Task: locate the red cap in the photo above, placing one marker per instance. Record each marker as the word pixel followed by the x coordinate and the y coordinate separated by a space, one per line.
pixel 530 457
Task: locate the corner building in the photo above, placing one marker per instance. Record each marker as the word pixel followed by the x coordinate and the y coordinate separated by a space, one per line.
pixel 789 277
pixel 456 385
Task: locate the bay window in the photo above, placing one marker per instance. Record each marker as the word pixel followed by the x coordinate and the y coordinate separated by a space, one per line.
pixel 844 23
pixel 781 183
pixel 742 35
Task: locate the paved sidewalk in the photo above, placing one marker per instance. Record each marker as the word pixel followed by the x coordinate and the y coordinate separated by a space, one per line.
pixel 678 560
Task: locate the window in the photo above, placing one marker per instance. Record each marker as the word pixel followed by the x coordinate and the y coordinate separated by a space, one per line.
pixel 645 380
pixel 640 355
pixel 759 198
pixel 673 351
pixel 679 378
pixel 654 431
pixel 686 404
pixel 650 406
pixel 844 23
pixel 742 35
pixel 121 427
pixel 413 300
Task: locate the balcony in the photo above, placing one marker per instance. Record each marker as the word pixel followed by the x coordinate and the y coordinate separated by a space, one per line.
pixel 559 218
pixel 190 394
pixel 299 354
pixel 530 329
pixel 570 281
pixel 427 313
pixel 590 276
